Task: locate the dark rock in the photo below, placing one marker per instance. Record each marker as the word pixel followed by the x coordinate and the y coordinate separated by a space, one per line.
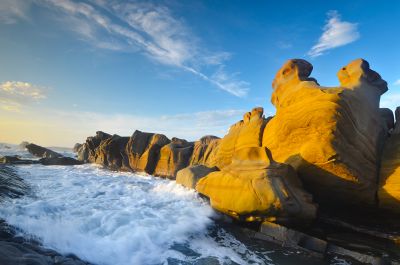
pixel 173 157
pixel 61 161
pixel 111 153
pixel 76 148
pixel 42 152
pixel 88 150
pixel 16 160
pixel 11 185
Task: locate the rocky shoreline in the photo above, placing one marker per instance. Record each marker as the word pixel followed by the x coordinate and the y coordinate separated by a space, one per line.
pixel 326 149
pixel 320 176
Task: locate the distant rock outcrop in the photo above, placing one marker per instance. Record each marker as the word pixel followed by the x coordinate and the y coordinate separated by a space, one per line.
pixel 41 152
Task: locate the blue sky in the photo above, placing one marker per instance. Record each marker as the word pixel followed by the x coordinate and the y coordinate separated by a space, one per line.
pixel 182 68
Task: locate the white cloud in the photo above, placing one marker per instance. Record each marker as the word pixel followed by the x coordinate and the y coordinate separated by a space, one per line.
pixel 15 94
pixel 397 82
pixel 336 33
pixel 390 100
pixel 150 29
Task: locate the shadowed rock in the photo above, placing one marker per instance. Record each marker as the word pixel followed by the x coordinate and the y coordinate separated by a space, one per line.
pixel 143 150
pixel 41 152
pixel 173 157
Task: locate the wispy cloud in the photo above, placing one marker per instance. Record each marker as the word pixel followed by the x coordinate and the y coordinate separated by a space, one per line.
pixel 397 82
pixel 15 94
pixel 336 33
pixel 148 28
pixel 13 10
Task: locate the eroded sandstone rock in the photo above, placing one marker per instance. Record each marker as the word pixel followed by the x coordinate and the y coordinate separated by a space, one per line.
pixel 333 137
pixel 86 152
pixel 173 157
pixel 254 187
pixel 204 150
pixel 189 176
pixel 143 150
pixel 245 133
pixel 111 153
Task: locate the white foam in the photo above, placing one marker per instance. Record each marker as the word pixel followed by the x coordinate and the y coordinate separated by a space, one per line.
pixel 119 218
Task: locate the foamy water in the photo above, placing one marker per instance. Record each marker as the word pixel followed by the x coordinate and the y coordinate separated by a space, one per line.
pixel 120 218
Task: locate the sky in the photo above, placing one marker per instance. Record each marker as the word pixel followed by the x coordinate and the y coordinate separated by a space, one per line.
pixel 182 68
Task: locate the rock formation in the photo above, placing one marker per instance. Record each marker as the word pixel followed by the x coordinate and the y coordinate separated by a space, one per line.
pixel 332 136
pixel 327 140
pixel 143 150
pixel 173 157
pixel 389 181
pixel 41 152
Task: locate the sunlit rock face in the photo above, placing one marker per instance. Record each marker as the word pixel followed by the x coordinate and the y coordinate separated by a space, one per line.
pixel 143 150
pixel 333 137
pixel 250 185
pixel 389 182
pixel 173 157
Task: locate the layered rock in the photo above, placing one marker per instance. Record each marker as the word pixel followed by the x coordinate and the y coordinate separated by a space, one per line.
pixel 173 157
pixel 205 150
pixel 245 133
pixel 143 150
pixel 111 153
pixel 389 181
pixel 189 176
pixel 253 187
pixel 332 136
pixel 86 152
pixel 42 152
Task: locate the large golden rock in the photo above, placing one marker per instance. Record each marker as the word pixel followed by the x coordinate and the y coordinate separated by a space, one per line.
pixel 245 133
pixel 173 157
pixel 389 182
pixel 332 136
pixel 254 187
pixel 189 176
pixel 204 151
pixel 143 150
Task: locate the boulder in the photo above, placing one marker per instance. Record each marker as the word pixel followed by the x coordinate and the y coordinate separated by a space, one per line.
pixel 204 150
pixel 16 160
pixel 87 151
pixel 42 152
pixel 60 161
pixel 256 188
pixel 245 133
pixel 111 153
pixel 333 137
pixel 189 176
pixel 143 150
pixel 173 157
